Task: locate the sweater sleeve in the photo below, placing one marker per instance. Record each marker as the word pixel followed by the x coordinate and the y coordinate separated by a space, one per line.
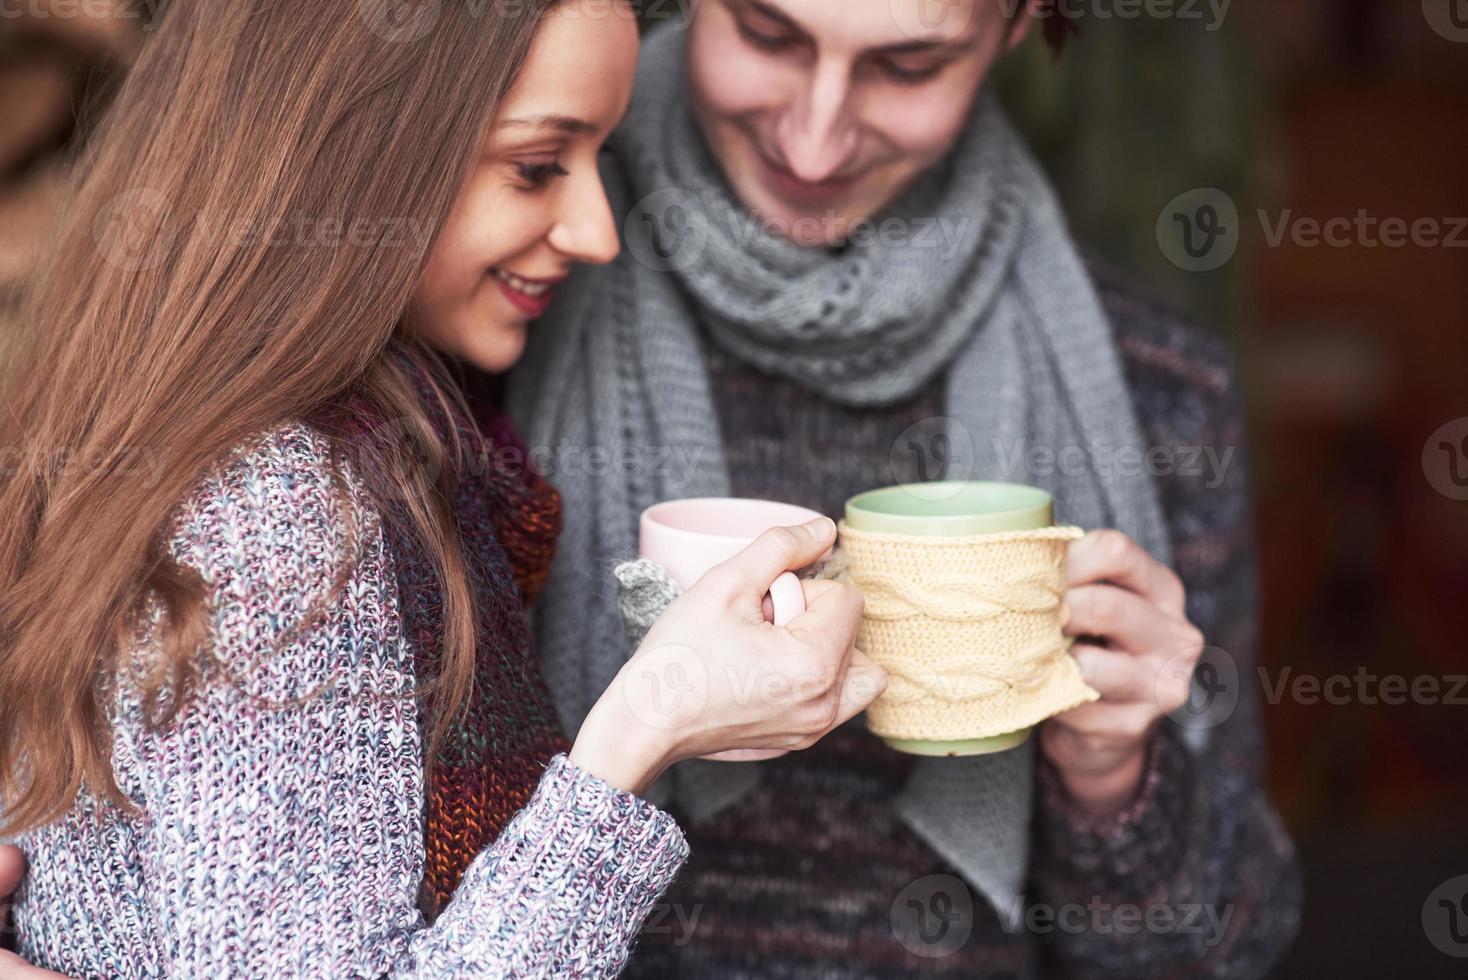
pixel 1197 876
pixel 283 805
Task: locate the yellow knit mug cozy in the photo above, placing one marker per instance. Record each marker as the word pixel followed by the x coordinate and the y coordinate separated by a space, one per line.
pixel 963 583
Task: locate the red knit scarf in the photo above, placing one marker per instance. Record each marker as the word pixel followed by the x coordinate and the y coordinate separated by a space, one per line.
pixel 488 768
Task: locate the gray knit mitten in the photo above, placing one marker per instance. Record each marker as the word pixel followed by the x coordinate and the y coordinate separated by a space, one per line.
pixel 644 591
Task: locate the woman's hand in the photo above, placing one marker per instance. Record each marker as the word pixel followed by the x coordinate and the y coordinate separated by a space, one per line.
pixel 12 869
pixel 1137 649
pixel 712 676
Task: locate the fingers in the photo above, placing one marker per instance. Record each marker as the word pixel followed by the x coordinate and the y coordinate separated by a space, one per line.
pixel 1111 556
pixel 864 683
pixel 1125 619
pixel 1106 727
pixel 779 550
pixel 832 615
pixel 1116 675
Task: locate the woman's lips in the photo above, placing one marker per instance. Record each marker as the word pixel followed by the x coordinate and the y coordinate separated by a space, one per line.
pixel 531 297
pixel 796 191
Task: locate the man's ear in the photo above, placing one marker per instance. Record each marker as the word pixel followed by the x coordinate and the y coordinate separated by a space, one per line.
pixel 1024 19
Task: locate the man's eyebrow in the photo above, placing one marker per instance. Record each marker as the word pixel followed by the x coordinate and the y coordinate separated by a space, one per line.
pixel 953 44
pixel 560 124
pixel 935 46
pixel 774 13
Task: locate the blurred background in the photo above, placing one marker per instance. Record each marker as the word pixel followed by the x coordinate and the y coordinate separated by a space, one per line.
pixel 1352 350
pixel 1209 147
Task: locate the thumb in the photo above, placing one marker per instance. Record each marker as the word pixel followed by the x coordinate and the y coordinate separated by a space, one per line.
pixel 778 550
pixel 12 967
pixel 865 682
pixel 12 869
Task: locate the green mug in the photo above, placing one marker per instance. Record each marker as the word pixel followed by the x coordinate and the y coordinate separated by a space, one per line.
pixel 952 509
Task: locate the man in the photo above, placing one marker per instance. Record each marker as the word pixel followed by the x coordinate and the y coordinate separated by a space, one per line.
pixel 844 270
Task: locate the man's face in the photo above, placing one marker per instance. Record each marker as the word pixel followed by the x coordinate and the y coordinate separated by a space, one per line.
pixel 822 112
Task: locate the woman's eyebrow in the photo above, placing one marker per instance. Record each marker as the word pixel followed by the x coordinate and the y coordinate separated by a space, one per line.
pixel 561 124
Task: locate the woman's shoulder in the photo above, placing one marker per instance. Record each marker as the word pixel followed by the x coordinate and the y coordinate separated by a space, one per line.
pixel 282 496
pixel 279 527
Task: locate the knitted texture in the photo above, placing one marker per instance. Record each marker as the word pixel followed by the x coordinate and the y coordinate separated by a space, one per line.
pixel 284 838
pixel 508 520
pixel 988 292
pixel 809 875
pixel 967 628
pixel 644 591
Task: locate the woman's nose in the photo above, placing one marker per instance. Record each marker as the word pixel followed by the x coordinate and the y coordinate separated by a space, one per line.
pixel 585 230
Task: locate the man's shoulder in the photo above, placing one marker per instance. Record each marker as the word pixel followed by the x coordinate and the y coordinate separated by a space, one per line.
pixel 1161 347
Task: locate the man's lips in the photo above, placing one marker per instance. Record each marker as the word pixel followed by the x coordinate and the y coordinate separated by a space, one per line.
pixel 792 188
pixel 531 297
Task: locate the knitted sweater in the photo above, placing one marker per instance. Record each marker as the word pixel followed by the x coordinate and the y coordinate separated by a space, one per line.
pixel 814 875
pixel 282 839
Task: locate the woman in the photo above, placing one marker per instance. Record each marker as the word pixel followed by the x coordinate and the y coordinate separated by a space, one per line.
pixel 263 557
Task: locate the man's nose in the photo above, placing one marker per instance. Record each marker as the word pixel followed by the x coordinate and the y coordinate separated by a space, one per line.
pixel 817 135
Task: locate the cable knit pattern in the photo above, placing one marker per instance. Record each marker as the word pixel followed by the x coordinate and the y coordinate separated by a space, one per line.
pixel 281 834
pixel 803 877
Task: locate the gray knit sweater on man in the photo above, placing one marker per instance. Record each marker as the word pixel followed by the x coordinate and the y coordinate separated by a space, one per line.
pixel 814 875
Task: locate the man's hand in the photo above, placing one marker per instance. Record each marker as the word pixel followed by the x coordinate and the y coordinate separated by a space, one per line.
pixel 1127 610
pixel 12 869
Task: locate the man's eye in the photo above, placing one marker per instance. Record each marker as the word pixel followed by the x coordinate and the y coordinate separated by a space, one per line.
pixel 537 175
pixel 909 76
pixel 766 42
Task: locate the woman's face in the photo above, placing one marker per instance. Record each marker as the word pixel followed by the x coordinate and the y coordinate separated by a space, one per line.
pixel 533 204
pixel 822 113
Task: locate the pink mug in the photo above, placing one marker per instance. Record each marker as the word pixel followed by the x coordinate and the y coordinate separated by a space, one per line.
pixel 689 537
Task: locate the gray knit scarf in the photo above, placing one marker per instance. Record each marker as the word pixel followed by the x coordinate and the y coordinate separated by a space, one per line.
pixel 975 274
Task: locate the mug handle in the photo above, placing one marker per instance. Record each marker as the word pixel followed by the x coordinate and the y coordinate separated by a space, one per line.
pixel 788 598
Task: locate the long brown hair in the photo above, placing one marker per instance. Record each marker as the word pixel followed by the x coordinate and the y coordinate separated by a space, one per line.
pixel 182 312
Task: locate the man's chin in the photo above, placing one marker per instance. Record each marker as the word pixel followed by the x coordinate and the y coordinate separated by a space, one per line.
pixel 815 229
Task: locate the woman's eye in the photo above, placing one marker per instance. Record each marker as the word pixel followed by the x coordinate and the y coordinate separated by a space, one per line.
pixel 766 42
pixel 537 175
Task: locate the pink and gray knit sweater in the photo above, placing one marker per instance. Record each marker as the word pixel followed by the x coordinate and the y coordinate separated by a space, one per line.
pixel 289 842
